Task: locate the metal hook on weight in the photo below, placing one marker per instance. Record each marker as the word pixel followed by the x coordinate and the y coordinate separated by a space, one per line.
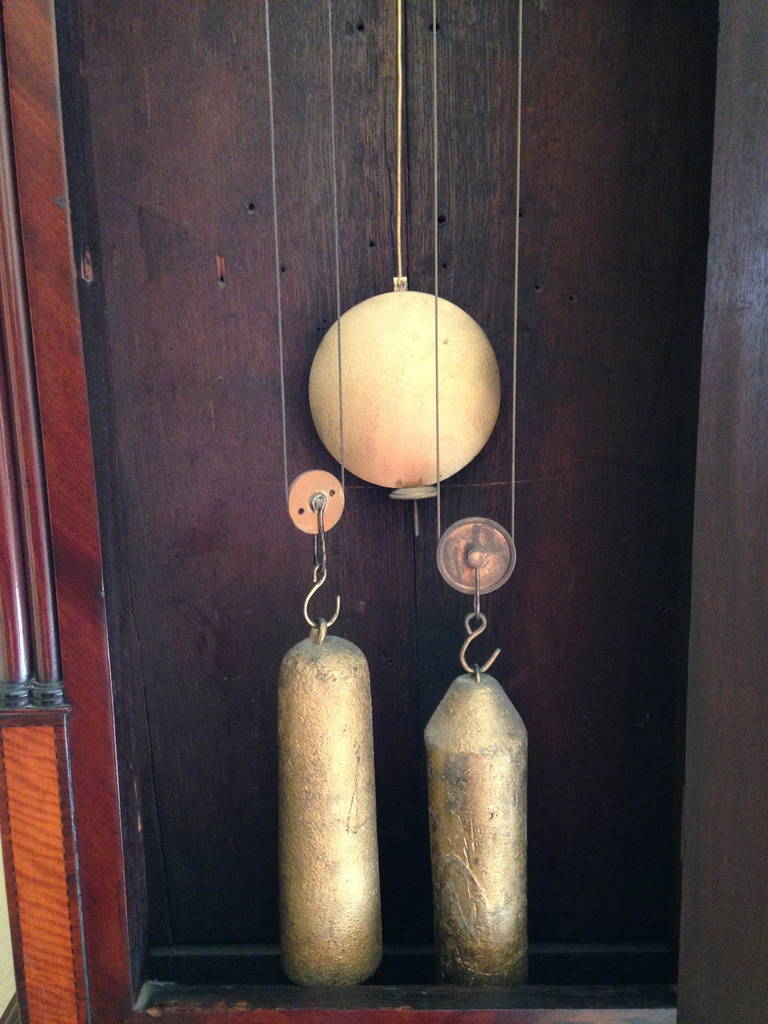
pixel 322 625
pixel 472 634
pixel 319 572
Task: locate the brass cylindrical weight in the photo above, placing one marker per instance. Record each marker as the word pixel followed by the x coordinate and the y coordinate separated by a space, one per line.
pixel 330 913
pixel 477 759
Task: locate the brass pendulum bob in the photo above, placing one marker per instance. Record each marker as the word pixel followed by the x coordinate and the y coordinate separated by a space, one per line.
pixel 477 762
pixel 330 915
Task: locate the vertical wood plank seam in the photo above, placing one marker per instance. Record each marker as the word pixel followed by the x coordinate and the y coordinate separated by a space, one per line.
pixel 72 871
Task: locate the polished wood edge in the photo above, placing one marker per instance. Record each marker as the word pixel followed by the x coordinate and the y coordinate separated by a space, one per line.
pixel 35 103
pixel 72 872
pixel 12 1012
pixel 724 924
pixel 39 852
pixel 34 716
pixel 426 1005
pixel 405 1015
pixel 23 415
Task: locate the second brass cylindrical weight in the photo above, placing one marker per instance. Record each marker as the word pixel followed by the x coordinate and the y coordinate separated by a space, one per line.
pixel 477 759
pixel 330 916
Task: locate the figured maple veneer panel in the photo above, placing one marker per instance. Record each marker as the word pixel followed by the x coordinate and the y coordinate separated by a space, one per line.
pixel 41 853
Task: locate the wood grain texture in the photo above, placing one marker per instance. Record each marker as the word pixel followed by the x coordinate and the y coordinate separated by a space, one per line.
pixel 724 948
pixel 407 1004
pixel 28 475
pixel 45 910
pixel 33 79
pixel 206 575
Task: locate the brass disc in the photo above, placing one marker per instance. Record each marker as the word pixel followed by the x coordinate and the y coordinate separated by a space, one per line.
pixel 389 383
pixel 476 543
pixel 303 490
pixel 414 493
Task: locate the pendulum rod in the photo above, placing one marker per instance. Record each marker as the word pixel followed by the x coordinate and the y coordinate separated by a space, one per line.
pixel 336 245
pixel 278 288
pixel 435 227
pixel 400 280
pixel 516 288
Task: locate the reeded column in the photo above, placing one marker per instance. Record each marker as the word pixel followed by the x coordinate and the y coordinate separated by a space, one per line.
pixel 29 657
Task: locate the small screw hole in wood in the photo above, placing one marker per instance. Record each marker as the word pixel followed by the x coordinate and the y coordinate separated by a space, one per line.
pixel 301 511
pixel 251 208
pixel 332 493
pixel 441 219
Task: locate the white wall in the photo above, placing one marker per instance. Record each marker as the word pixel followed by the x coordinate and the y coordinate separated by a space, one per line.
pixel 7 985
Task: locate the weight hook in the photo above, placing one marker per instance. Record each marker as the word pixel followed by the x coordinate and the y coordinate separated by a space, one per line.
pixel 472 634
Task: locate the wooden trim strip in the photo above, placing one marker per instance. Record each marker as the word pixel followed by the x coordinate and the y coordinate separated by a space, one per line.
pixel 33 84
pixel 24 427
pixel 404 1015
pixel 406 1004
pixel 34 716
pixel 45 914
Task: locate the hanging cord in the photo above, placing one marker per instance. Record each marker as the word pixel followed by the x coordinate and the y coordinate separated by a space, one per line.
pixel 400 280
pixel 516 291
pixel 435 227
pixel 277 245
pixel 336 246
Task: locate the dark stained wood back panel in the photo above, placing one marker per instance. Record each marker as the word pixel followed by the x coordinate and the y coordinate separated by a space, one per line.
pixel 205 573
pixel 724 927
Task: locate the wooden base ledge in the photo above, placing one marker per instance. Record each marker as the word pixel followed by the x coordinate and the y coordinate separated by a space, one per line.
pixel 377 1004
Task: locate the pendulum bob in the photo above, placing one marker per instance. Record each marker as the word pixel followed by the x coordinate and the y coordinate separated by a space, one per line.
pixel 388 382
pixel 477 758
pixel 330 912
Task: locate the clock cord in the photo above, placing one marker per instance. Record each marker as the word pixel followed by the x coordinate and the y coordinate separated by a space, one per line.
pixel 280 346
pixel 276 233
pixel 516 286
pixel 336 245
pixel 436 263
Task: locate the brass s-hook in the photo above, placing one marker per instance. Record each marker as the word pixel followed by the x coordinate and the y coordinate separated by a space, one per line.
pixel 474 632
pixel 472 635
pixel 322 625
pixel 320 571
